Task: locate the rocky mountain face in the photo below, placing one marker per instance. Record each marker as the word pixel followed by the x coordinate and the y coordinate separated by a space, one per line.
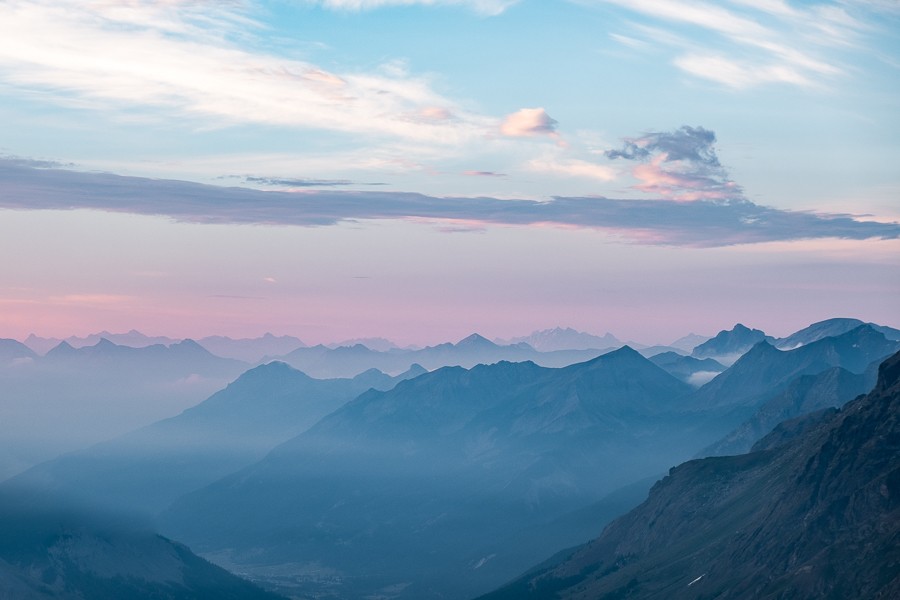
pixel 813 513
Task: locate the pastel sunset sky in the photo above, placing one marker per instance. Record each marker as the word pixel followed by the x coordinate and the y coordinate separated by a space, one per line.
pixel 424 169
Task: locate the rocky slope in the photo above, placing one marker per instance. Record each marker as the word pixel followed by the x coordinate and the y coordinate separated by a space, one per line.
pixel 814 515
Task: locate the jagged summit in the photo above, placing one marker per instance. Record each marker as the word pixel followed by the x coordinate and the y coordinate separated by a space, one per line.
pixel 64 348
pixel 730 343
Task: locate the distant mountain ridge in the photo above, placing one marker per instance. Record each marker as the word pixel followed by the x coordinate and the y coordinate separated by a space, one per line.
pixel 731 343
pixel 251 350
pixel 347 361
pixel 558 338
pixel 765 370
pixel 831 328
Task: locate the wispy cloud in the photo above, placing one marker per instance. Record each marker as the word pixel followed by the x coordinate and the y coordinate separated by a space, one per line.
pixel 746 43
pixel 484 7
pixel 681 165
pixel 290 182
pixel 701 223
pixel 182 57
pixel 572 167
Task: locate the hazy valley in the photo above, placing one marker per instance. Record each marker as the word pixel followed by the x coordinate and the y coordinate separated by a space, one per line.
pixel 451 477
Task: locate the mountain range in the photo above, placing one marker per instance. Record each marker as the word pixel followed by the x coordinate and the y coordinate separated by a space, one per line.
pixel 812 512
pixel 146 469
pixel 347 361
pixel 446 469
pixel 250 350
pixel 478 462
pixel 73 397
pixel 467 474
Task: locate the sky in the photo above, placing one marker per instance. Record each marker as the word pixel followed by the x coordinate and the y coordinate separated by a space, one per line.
pixel 424 169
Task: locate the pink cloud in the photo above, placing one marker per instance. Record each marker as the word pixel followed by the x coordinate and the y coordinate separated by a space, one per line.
pixel 529 122
pixel 679 165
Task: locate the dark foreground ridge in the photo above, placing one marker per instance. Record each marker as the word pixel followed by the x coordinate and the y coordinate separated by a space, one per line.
pixel 50 552
pixel 814 517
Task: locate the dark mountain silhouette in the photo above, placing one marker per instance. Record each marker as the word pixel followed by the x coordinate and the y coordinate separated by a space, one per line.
pixel 812 514
pixel 454 471
pixel 730 343
pixel 148 468
pixel 830 328
pixel 48 552
pixel 687 368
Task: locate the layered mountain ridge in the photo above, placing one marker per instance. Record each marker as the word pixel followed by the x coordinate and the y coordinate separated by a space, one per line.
pixel 814 514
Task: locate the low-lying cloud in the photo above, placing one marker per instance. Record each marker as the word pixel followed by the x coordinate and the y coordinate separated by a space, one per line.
pixel 702 223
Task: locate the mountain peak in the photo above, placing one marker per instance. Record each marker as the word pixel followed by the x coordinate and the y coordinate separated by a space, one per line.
pixel 415 370
pixel 189 344
pixel 475 341
pixel 735 341
pixel 64 348
pixel 624 351
pixel 104 344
